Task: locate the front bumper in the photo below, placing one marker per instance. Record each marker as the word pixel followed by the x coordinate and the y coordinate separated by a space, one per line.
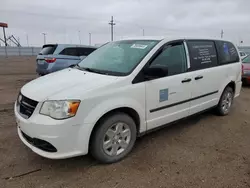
pixel 68 139
pixel 42 71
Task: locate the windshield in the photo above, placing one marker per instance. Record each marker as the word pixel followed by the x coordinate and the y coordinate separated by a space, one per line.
pixel 246 59
pixel 118 58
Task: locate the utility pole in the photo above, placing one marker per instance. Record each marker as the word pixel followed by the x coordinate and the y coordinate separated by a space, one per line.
pixel 240 42
pixel 222 33
pixel 89 38
pixel 142 32
pixel 4 36
pixel 79 35
pixel 44 38
pixel 112 23
pixel 27 38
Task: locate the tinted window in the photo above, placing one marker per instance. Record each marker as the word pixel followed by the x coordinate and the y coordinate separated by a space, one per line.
pixel 172 57
pixel 118 58
pixel 48 50
pixel 69 51
pixel 202 54
pixel 242 54
pixel 227 52
pixel 85 51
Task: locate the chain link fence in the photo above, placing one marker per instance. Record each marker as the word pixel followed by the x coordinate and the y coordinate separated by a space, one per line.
pixel 245 49
pixel 19 51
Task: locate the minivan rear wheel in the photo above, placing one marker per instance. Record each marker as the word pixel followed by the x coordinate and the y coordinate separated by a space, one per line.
pixel 114 138
pixel 226 101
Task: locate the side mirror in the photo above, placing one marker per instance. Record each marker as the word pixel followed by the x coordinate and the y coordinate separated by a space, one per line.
pixel 151 73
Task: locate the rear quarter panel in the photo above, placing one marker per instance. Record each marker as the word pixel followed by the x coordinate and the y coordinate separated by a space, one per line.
pixel 232 73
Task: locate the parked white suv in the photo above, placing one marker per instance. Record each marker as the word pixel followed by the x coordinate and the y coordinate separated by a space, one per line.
pixel 123 90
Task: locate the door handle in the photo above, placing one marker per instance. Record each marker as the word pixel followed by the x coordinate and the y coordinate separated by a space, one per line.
pixel 186 80
pixel 198 77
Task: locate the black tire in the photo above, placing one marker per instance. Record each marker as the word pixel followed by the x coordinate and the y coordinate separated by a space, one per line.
pixel 220 110
pixel 97 140
pixel 244 82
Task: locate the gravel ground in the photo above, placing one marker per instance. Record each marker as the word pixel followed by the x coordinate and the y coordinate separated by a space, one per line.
pixel 203 151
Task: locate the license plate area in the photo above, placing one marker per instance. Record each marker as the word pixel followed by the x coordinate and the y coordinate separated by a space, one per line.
pixel 40 61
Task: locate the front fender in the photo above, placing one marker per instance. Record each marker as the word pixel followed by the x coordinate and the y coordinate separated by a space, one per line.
pixel 108 105
pixel 100 110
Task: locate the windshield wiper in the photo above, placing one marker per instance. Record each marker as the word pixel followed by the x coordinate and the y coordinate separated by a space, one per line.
pixel 93 70
pixel 77 66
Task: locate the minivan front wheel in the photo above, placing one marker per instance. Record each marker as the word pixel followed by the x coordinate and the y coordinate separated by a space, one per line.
pixel 114 138
pixel 226 101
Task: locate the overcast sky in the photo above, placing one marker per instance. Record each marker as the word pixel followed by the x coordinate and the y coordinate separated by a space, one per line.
pixel 69 21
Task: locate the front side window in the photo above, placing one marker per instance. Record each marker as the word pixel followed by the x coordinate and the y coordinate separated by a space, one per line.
pixel 118 58
pixel 202 54
pixel 172 57
pixel 227 52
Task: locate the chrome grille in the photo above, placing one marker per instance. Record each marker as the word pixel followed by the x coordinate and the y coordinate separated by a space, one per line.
pixel 26 106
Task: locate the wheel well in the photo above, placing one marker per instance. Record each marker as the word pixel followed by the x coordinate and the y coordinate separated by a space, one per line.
pixel 129 111
pixel 232 85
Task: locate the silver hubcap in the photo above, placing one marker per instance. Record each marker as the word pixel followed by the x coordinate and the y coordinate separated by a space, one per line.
pixel 117 139
pixel 227 102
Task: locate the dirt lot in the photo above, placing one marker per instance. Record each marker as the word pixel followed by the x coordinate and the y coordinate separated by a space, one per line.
pixel 204 151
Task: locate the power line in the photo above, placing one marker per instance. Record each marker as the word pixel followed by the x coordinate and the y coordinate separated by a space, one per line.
pixel 166 29
pixel 112 23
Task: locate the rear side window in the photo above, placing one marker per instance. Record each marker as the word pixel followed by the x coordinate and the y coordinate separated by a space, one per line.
pixel 85 51
pixel 202 54
pixel 48 50
pixel 69 51
pixel 227 52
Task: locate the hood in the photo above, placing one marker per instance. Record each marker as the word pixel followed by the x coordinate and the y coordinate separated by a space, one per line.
pixel 42 88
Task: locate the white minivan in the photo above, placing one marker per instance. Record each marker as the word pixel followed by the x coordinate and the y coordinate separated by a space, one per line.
pixel 123 90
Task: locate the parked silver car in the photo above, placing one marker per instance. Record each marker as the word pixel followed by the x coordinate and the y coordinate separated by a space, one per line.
pixel 54 57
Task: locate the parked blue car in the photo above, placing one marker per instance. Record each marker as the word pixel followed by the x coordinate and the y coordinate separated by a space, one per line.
pixel 55 57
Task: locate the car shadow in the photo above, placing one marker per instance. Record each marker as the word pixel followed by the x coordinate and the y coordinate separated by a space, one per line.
pixel 177 127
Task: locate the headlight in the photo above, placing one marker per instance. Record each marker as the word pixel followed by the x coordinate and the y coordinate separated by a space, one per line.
pixel 60 109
